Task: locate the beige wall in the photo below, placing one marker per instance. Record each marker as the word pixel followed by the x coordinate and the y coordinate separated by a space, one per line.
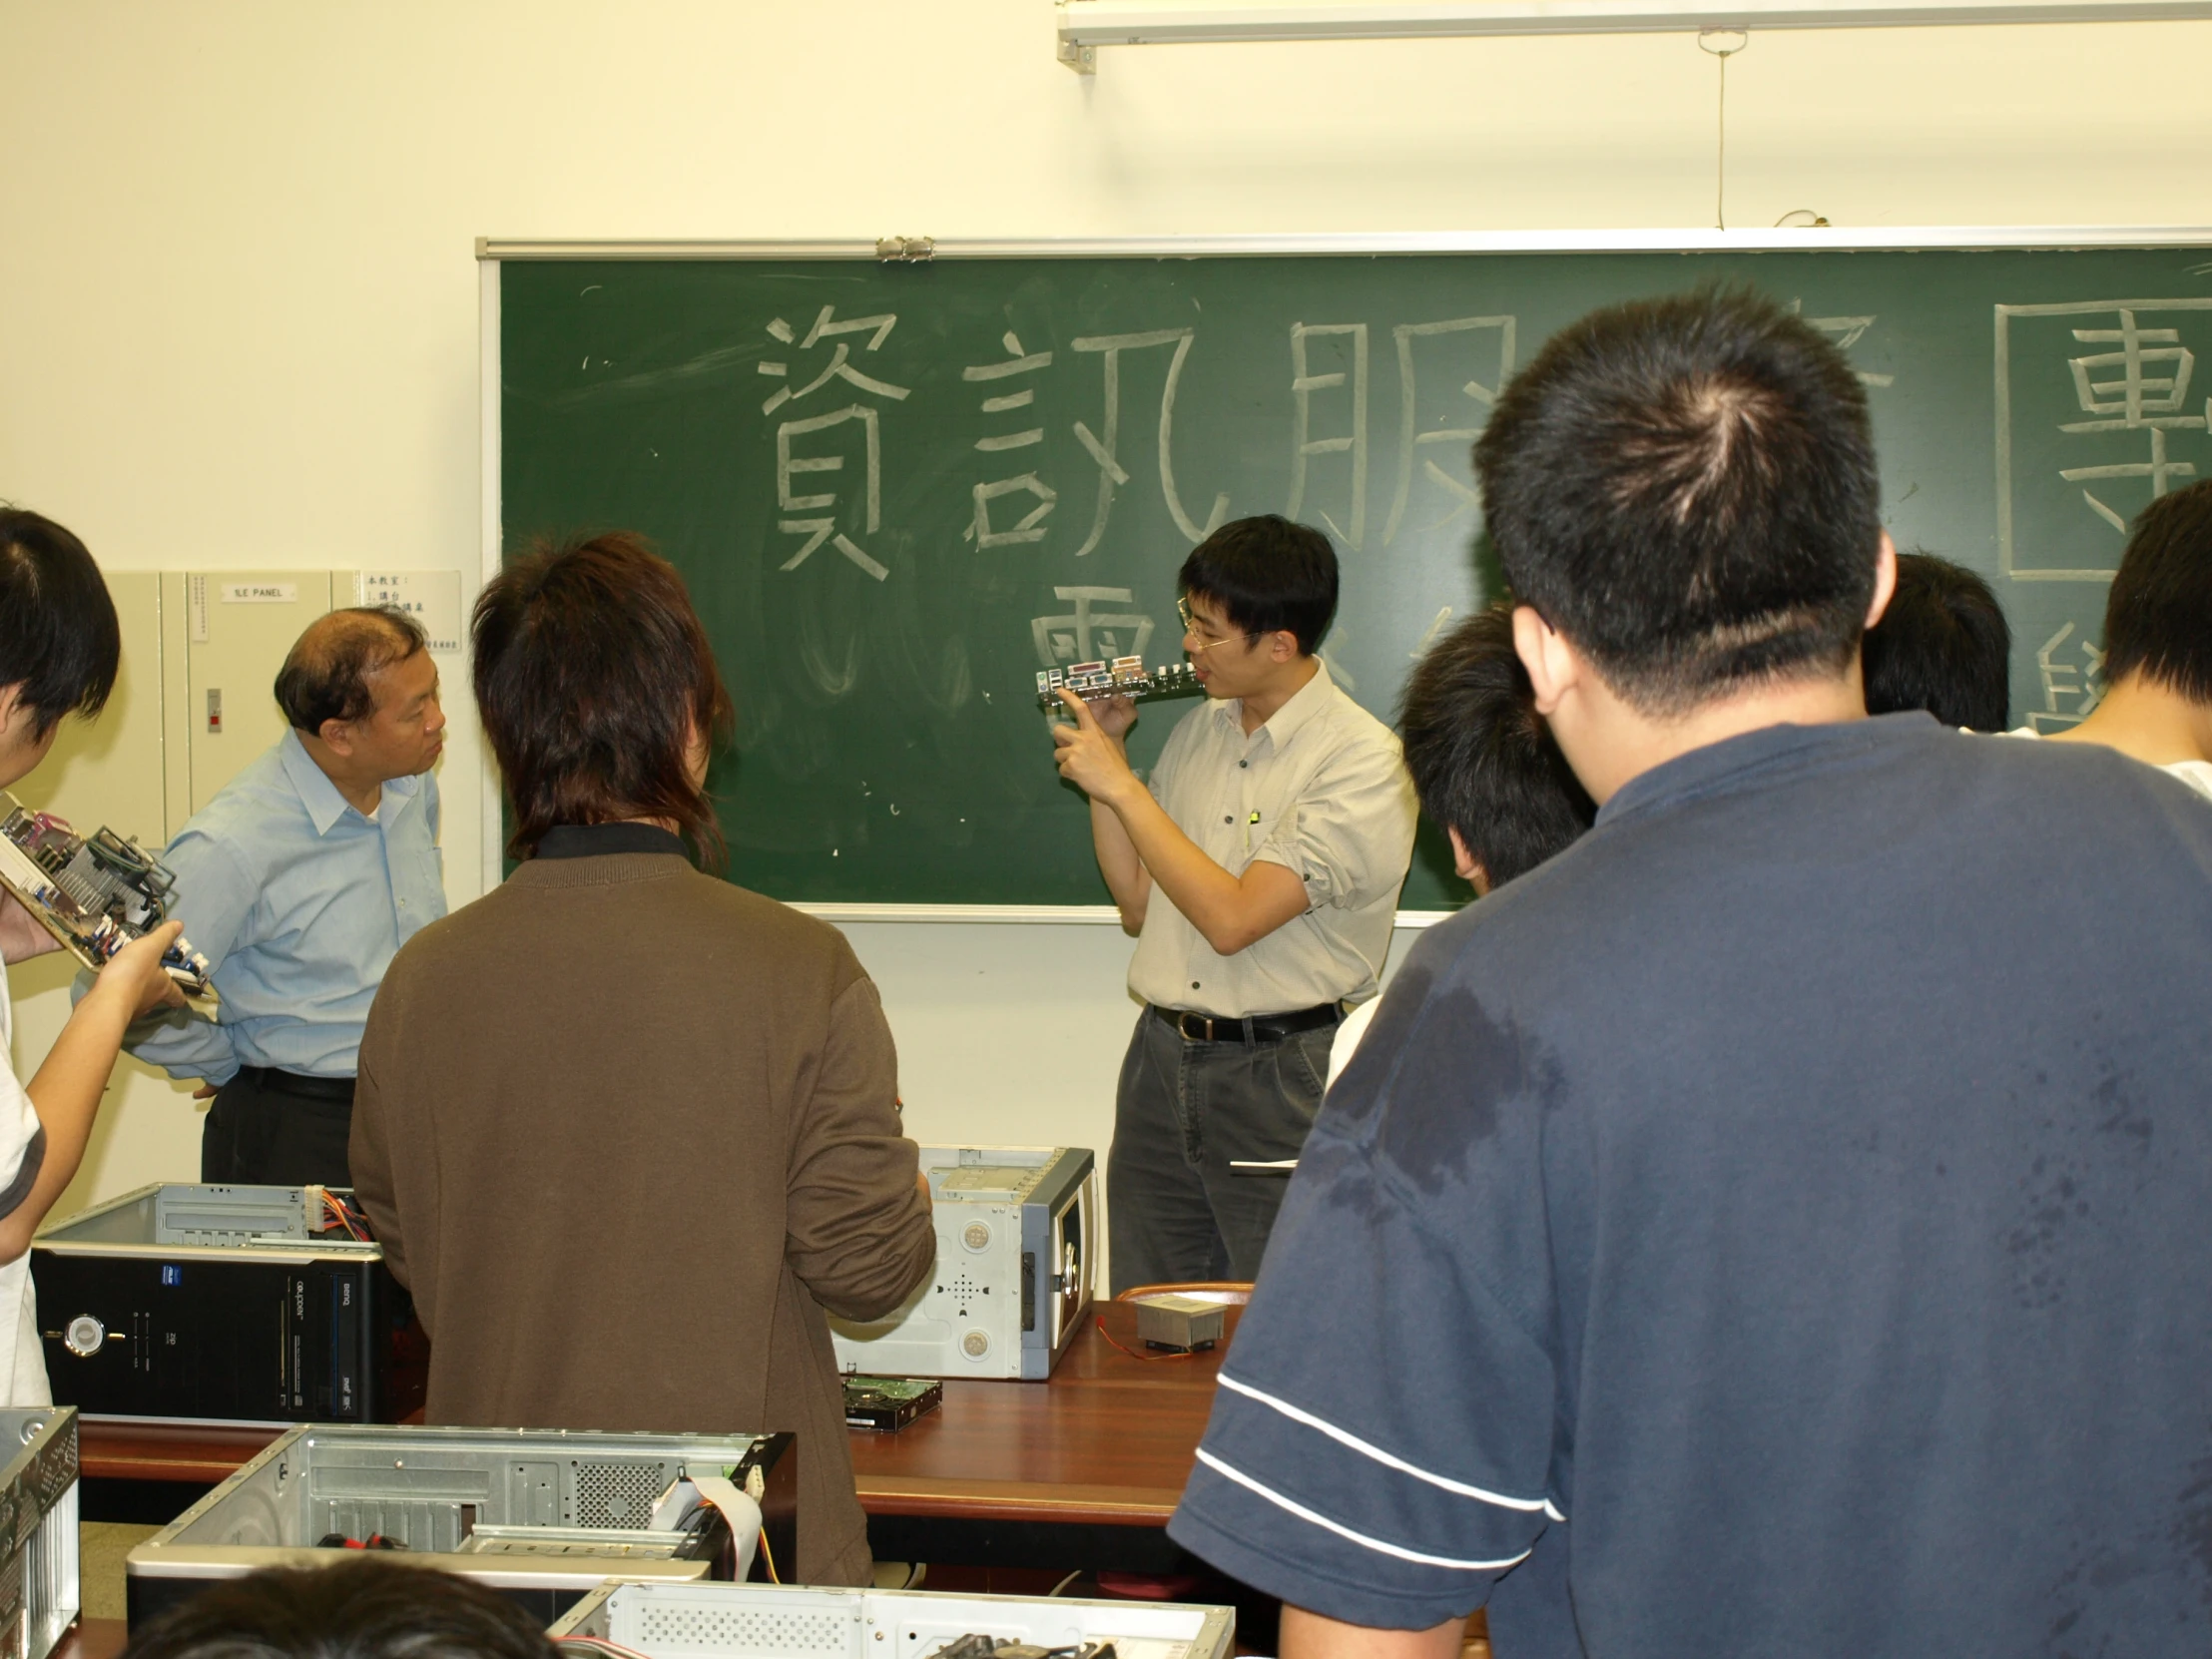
pixel 237 306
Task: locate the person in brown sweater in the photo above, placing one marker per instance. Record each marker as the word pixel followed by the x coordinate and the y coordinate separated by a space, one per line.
pixel 626 1130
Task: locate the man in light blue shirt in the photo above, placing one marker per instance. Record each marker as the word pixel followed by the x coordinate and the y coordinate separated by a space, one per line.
pixel 300 882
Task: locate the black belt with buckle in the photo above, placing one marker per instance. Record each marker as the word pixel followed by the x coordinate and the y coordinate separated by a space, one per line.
pixel 274 1080
pixel 1253 1028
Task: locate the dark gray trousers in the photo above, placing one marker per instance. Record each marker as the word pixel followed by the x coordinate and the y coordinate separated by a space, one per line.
pixel 263 1132
pixel 1184 1110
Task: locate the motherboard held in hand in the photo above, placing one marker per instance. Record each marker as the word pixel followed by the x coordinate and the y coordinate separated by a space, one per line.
pixel 95 894
pixel 1123 676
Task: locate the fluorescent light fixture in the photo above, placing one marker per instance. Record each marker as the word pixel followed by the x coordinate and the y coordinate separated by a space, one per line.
pixel 1094 23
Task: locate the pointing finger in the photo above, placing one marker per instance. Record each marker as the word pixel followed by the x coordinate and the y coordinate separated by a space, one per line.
pixel 1081 709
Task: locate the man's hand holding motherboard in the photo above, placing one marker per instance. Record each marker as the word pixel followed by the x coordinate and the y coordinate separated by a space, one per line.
pixel 1089 753
pixel 135 979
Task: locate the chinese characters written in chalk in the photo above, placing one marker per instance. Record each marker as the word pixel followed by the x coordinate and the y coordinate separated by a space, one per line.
pixel 2099 413
pixel 2138 383
pixel 830 439
pixel 1042 497
pixel 791 462
pixel 1085 635
pixel 2069 669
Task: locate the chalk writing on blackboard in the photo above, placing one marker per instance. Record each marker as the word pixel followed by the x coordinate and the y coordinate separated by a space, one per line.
pixel 2070 668
pixel 1416 340
pixel 2099 414
pixel 1086 635
pixel 1435 627
pixel 830 460
pixel 1847 332
pixel 1103 444
pixel 1306 380
pixel 790 462
pixel 2140 385
pixel 1043 497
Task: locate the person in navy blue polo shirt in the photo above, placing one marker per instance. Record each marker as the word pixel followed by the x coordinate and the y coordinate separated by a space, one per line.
pixel 1781 1224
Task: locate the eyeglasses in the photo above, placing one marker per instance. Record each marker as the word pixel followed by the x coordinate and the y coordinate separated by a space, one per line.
pixel 1192 625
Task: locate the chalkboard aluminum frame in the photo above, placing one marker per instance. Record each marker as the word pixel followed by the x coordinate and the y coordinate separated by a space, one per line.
pixel 493 252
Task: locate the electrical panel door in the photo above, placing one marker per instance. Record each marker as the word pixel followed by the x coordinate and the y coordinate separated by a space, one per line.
pixel 237 628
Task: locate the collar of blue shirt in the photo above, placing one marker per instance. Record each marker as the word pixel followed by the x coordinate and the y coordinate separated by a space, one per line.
pixel 320 797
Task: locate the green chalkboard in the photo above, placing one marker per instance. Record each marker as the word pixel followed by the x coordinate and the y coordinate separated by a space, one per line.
pixel 897 491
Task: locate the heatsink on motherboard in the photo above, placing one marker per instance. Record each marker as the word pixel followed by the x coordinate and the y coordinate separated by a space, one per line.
pixel 95 894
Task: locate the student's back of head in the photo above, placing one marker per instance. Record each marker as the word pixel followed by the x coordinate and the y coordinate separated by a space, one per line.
pixel 1483 763
pixel 598 690
pixel 354 1609
pixel 1685 489
pixel 1943 645
pixel 2158 616
pixel 59 639
pixel 2157 705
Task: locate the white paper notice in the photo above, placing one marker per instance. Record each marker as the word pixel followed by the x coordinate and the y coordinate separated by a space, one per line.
pixel 432 597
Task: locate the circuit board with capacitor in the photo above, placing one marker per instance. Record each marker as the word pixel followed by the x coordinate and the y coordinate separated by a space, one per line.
pixel 1123 676
pixel 95 894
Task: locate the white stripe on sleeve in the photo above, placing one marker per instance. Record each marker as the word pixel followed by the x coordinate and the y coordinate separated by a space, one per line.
pixel 1389 1460
pixel 1305 1514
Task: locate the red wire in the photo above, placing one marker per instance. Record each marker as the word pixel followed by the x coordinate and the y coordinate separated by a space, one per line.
pixel 1134 1355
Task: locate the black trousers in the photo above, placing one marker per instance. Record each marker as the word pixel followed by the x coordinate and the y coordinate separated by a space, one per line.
pixel 269 1128
pixel 1183 1111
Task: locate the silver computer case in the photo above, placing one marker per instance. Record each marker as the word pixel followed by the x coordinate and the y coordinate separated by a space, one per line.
pixel 39 1594
pixel 764 1621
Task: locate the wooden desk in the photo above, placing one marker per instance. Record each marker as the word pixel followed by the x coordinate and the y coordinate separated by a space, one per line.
pixel 1109 1440
pixel 92 1639
pixel 194 1455
pixel 1002 1473
pixel 1083 1470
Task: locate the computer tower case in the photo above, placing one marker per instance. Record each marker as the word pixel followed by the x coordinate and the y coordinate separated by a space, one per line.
pixel 748 1621
pixel 219 1303
pixel 1015 1226
pixel 541 1515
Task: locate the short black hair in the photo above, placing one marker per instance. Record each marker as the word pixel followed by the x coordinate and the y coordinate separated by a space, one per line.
pixel 1482 759
pixel 2158 617
pixel 326 673
pixel 1686 489
pixel 1942 645
pixel 1266 574
pixel 59 639
pixel 361 1608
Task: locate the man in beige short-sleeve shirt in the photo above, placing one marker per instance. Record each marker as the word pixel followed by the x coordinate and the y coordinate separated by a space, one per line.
pixel 1260 870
